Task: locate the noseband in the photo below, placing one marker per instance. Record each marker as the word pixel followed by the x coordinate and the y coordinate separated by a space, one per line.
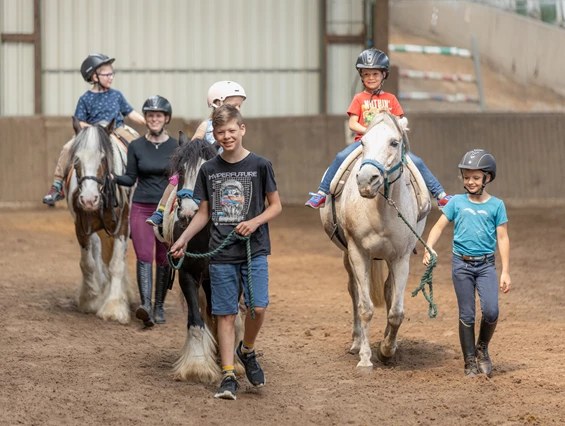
pixel 187 193
pixel 109 199
pixel 385 173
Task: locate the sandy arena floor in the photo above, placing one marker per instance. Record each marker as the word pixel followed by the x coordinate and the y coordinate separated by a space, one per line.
pixel 61 367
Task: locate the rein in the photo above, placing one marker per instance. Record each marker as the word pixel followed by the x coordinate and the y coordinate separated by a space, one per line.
pixel 247 240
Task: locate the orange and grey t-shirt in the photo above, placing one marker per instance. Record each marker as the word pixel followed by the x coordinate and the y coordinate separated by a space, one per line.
pixel 366 111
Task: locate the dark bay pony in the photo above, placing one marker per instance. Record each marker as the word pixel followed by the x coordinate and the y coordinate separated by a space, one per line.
pixel 198 359
pixel 100 210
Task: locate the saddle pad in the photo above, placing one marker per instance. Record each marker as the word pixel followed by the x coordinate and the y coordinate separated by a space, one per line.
pixel 420 189
pixel 344 171
pixel 165 233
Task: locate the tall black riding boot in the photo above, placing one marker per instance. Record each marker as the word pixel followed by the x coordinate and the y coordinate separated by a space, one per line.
pixel 467 339
pixel 161 287
pixel 483 358
pixel 144 282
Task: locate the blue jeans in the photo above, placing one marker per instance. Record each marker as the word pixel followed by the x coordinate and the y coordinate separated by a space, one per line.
pixel 480 276
pixel 224 281
pixel 431 181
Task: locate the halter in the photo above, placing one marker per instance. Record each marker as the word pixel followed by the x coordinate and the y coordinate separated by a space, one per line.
pixel 386 173
pixel 187 193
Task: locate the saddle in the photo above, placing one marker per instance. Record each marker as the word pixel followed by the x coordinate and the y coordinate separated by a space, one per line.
pixel 416 182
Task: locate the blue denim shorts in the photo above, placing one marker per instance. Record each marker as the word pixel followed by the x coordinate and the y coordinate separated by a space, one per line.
pixel 225 279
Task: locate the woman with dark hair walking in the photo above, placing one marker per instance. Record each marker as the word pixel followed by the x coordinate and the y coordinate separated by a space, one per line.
pixel 148 165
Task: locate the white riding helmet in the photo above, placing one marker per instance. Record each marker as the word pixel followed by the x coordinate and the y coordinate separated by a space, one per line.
pixel 221 90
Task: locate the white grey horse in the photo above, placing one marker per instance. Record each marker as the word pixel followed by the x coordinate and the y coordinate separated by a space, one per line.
pixel 373 233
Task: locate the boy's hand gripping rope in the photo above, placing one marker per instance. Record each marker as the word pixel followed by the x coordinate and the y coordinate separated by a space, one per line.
pixel 429 273
pixel 217 250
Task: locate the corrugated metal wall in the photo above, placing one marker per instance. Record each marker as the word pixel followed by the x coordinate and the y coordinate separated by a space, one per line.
pixel 16 59
pixel 178 48
pixel 344 18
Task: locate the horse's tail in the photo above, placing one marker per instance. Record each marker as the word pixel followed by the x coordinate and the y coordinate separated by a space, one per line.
pixel 379 274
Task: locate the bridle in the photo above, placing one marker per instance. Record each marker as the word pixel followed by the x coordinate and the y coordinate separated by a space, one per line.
pixel 108 200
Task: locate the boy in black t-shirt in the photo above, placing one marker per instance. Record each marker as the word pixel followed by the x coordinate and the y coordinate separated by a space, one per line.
pixel 232 188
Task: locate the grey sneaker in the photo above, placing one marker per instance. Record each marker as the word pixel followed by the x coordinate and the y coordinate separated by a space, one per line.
pixel 253 371
pixel 228 388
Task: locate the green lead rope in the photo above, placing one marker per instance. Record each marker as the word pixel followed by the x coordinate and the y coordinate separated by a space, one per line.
pixel 428 274
pixel 247 240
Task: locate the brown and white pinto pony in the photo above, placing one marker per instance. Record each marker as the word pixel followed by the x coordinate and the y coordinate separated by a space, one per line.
pixel 100 210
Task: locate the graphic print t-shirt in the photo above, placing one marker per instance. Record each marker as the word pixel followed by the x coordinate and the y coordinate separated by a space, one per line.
pixel 366 111
pixel 236 192
pixel 474 232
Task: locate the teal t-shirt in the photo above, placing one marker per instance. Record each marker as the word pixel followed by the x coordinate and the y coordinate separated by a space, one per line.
pixel 474 232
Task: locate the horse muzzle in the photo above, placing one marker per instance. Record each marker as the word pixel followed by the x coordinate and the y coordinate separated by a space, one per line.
pixel 369 181
pixel 90 203
pixel 187 209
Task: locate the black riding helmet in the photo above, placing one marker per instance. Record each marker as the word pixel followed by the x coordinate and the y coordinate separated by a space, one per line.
pixel 479 159
pixel 92 63
pixel 159 104
pixel 373 59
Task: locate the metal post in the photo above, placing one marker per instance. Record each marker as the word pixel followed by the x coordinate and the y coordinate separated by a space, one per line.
pixel 477 62
pixel 380 25
pixel 38 89
pixel 324 59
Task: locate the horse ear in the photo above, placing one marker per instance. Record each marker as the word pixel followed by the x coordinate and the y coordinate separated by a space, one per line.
pixel 76 125
pixel 110 127
pixel 403 122
pixel 182 138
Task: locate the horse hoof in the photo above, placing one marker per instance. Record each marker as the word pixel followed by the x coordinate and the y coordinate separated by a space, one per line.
pixel 354 350
pixel 364 368
pixel 382 357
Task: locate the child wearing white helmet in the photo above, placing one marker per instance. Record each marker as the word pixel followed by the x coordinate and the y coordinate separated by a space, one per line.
pixel 220 93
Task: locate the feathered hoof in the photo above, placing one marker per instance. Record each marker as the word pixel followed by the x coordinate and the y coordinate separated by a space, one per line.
pixel 89 305
pixel 197 362
pixel 115 310
pixel 197 372
pixel 382 357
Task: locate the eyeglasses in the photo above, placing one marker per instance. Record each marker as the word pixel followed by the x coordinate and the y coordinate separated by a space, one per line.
pixel 110 74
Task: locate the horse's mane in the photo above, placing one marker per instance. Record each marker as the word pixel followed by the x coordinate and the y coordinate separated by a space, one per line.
pixel 92 138
pixel 384 114
pixel 187 156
